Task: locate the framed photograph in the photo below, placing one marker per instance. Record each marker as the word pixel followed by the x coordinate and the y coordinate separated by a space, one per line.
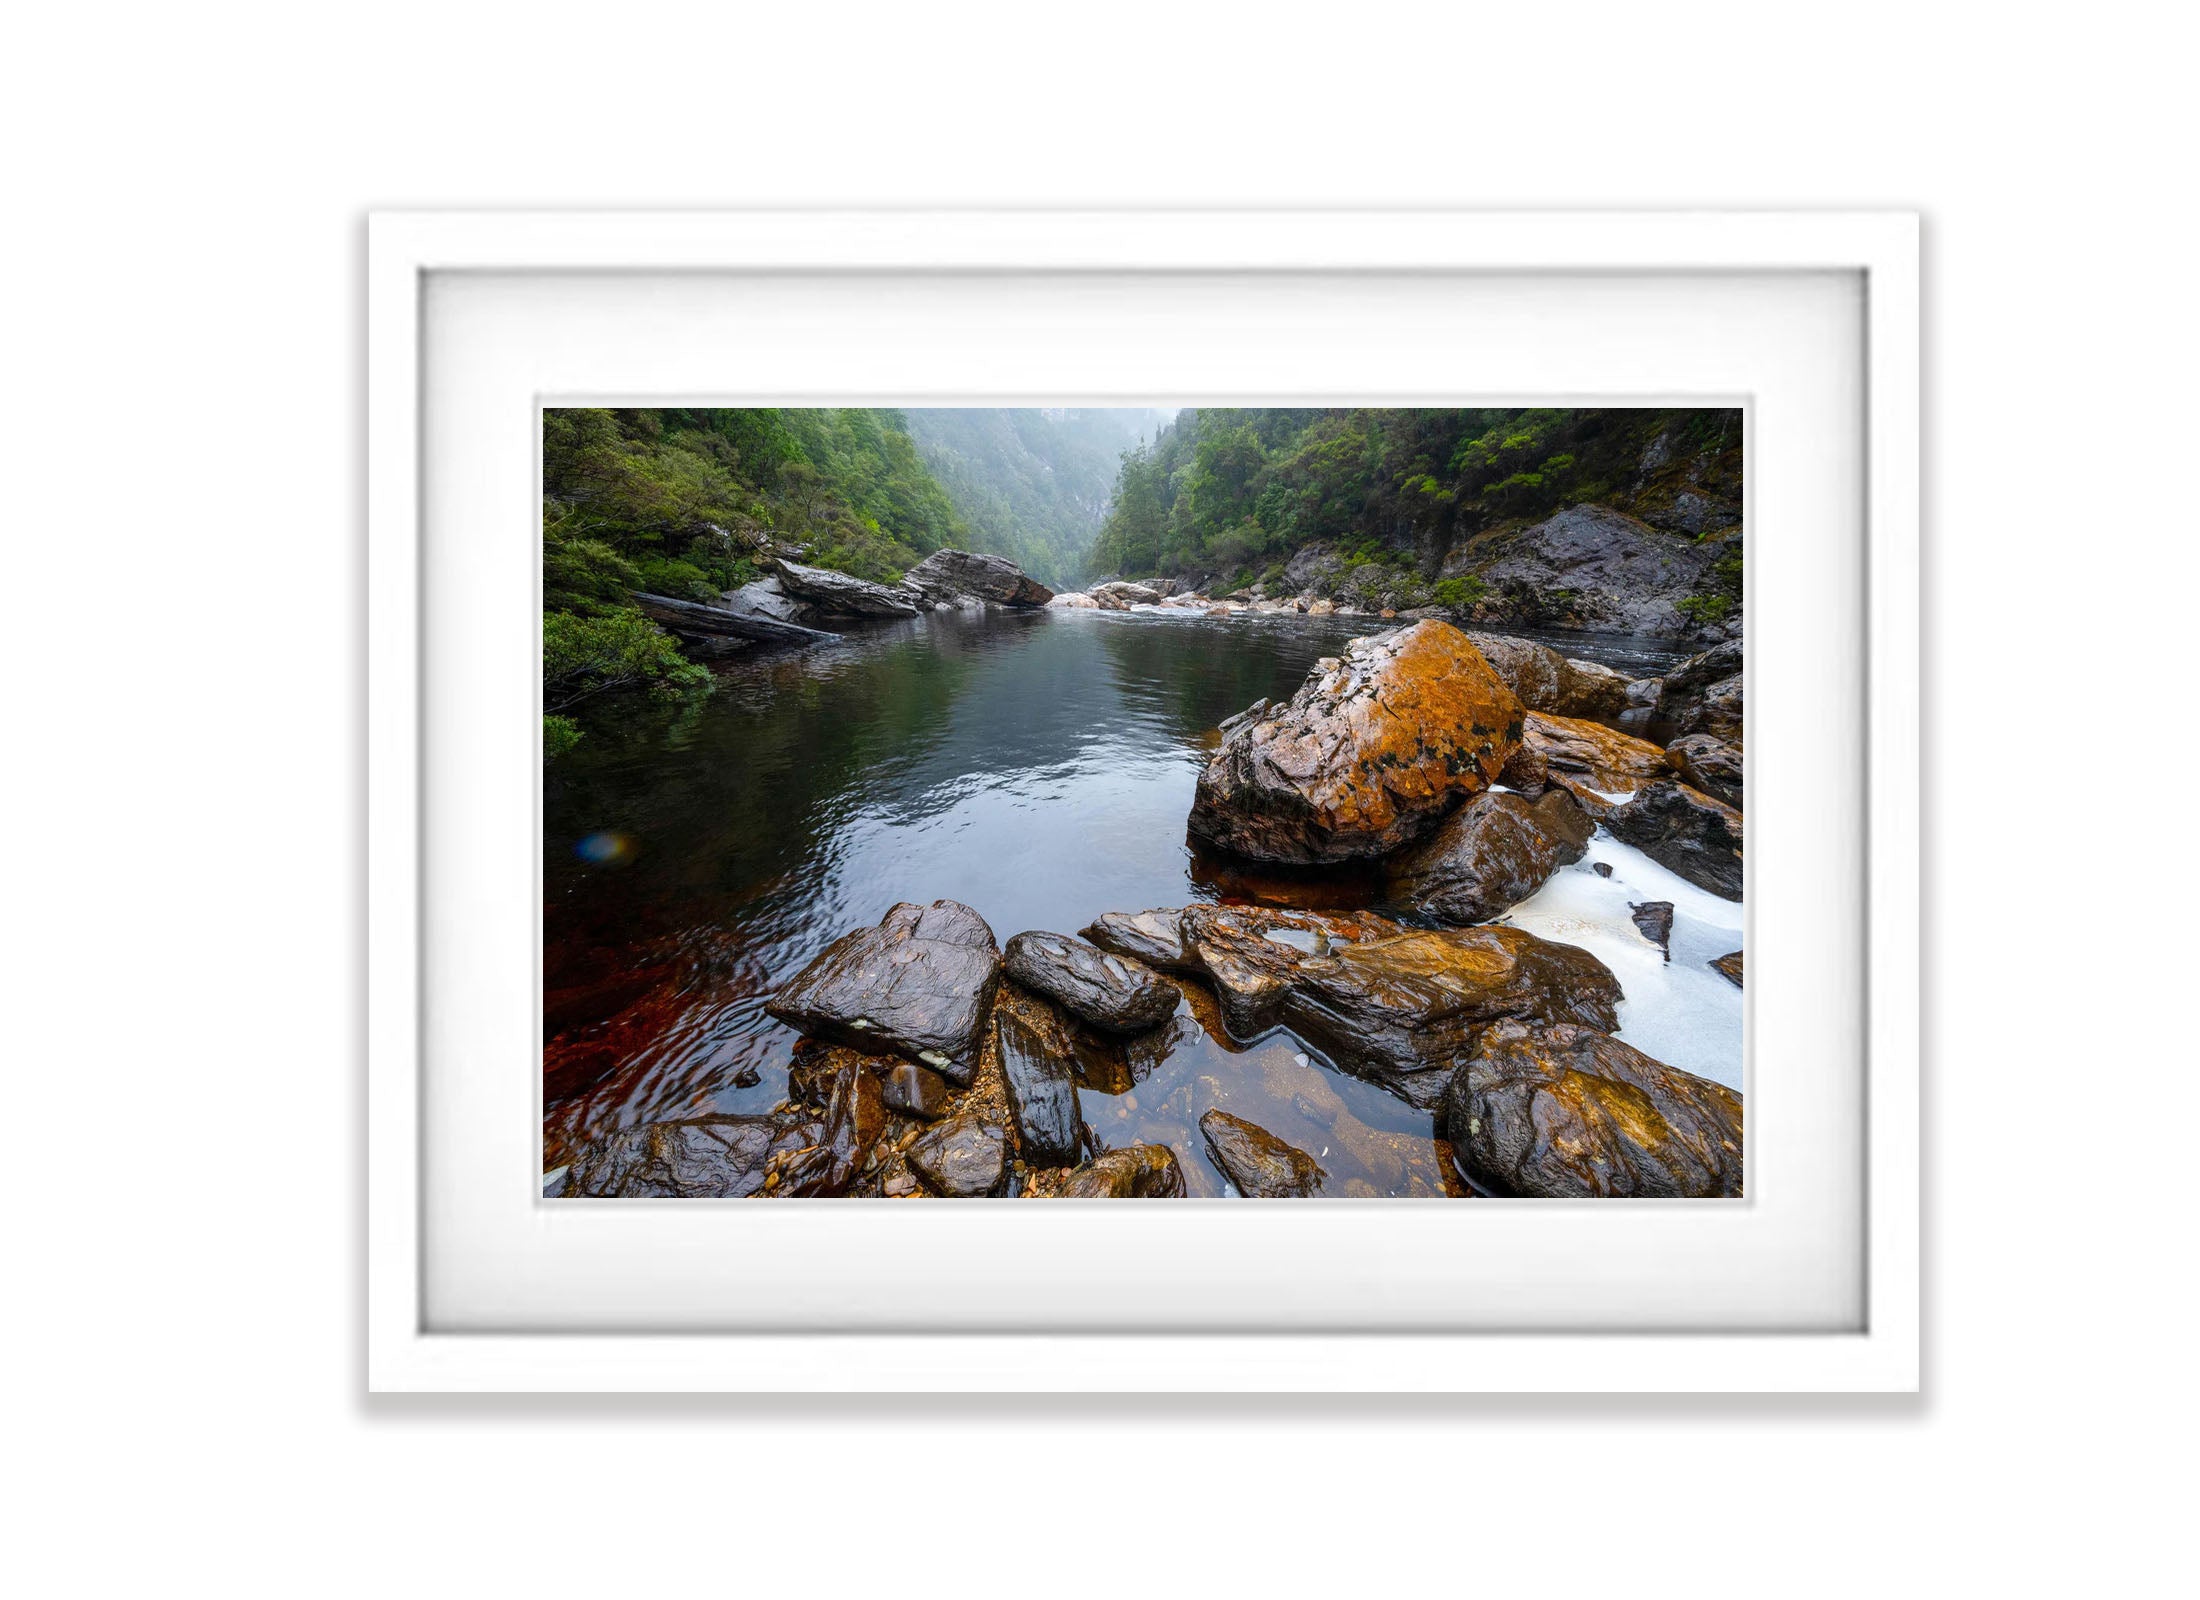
pixel 893 734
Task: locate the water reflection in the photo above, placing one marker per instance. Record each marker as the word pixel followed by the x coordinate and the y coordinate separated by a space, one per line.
pixel 1037 766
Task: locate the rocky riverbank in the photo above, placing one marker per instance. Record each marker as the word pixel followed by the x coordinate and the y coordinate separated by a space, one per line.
pixel 1463 774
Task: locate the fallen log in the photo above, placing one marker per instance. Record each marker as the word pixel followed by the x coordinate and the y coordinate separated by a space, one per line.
pixel 686 618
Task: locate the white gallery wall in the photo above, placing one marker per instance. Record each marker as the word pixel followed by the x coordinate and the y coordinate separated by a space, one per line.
pixel 184 426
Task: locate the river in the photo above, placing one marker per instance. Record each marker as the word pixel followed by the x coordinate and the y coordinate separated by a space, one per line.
pixel 1038 766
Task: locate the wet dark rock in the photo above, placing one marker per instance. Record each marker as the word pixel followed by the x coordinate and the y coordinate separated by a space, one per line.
pixel 1038 1064
pixel 916 1091
pixel 1729 967
pixel 1399 1007
pixel 1141 1172
pixel 1570 1112
pixel 855 1116
pixel 1676 826
pixel 1153 937
pixel 961 1157
pixel 842 595
pixel 816 1065
pixel 699 1158
pixel 1116 993
pixel 1372 751
pixel 916 985
pixel 1654 918
pixel 1261 1165
pixel 1565 824
pixel 947 577
pixel 1704 694
pixel 1489 854
pixel 1710 764
pixel 747 1078
pixel 1603 869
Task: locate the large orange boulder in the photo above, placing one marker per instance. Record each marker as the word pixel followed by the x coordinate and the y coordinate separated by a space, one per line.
pixel 1372 751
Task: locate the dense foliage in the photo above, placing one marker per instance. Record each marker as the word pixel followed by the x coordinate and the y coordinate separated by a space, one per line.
pixel 1033 484
pixel 1226 492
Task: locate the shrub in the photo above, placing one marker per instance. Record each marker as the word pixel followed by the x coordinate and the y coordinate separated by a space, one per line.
pixel 1458 593
pixel 582 656
pixel 559 734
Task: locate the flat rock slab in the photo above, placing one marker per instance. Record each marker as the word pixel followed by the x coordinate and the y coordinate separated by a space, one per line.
pixel 1038 1064
pixel 700 1158
pixel 1710 764
pixel 1676 826
pixel 1491 853
pixel 1141 1172
pixel 1261 1165
pixel 961 1157
pixel 1568 1113
pixel 917 985
pixel 1401 1007
pixel 1594 763
pixel 1369 754
pixel 1153 937
pixel 1115 993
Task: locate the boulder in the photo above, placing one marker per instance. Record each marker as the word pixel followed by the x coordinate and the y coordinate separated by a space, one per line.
pixel 1038 1064
pixel 1112 992
pixel 1653 919
pixel 1569 1112
pixel 1155 938
pixel 816 1067
pixel 1704 694
pixel 1321 608
pixel 1121 595
pixel 1074 602
pixel 1260 1165
pixel 839 594
pixel 1489 854
pixel 1599 766
pixel 1368 755
pixel 698 1158
pixel 948 576
pixel 917 985
pixel 1589 567
pixel 1544 680
pixel 1400 1007
pixel 1141 1172
pixel 960 1157
pixel 1678 827
pixel 1729 967
pixel 1709 763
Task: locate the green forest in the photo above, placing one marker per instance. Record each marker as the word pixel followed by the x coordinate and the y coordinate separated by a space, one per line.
pixel 1231 493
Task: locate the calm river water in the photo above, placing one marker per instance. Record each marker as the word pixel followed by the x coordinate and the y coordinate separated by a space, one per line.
pixel 1037 766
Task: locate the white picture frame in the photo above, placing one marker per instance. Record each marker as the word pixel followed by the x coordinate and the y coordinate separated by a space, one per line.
pixel 408 1219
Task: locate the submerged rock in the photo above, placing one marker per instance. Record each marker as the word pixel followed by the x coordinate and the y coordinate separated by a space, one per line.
pixel 698 1158
pixel 1654 918
pixel 1490 853
pixel 948 576
pixel 1039 1067
pixel 1112 992
pixel 1399 1007
pixel 1367 756
pixel 961 1157
pixel 842 595
pixel 1141 1172
pixel 1570 1112
pixel 1261 1165
pixel 1698 837
pixel 916 985
pixel 1710 764
pixel 1729 967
